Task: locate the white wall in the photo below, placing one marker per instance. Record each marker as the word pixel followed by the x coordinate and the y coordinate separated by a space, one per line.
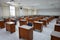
pixel 51 12
pixel 6 11
pixel 17 11
pixel 29 12
pixel 35 12
pixel 1 12
pixel 21 12
pixel 25 12
pixel 32 11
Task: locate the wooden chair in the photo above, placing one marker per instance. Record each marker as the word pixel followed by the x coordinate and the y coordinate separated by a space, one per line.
pixel 7 19
pixel 31 20
pixel 55 35
pixel 2 24
pixel 44 22
pixel 13 20
pixel 57 27
pixel 57 21
pixel 23 22
pixel 10 26
pixel 38 26
pixel 26 32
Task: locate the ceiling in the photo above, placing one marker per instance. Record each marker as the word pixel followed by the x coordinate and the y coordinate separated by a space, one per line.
pixel 39 4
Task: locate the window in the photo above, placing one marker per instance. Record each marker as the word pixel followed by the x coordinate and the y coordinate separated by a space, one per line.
pixel 12 11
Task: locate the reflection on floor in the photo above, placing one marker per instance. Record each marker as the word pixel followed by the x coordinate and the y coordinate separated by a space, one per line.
pixel 45 35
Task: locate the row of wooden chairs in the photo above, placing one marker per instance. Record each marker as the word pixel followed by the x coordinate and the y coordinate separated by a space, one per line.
pixel 37 24
pixel 38 21
pixel 56 33
pixel 9 24
pixel 26 31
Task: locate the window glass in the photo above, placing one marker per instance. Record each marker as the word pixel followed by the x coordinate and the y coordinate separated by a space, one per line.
pixel 12 11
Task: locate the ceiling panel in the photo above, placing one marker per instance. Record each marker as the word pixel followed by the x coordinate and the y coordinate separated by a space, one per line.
pixel 40 4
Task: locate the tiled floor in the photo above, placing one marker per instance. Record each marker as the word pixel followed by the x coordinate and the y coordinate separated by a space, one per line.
pixel 44 35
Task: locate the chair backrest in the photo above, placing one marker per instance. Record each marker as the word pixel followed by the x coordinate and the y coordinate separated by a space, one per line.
pixel 23 22
pixel 57 28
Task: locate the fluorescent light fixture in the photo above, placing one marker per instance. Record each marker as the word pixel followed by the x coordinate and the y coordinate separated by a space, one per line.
pixel 13 3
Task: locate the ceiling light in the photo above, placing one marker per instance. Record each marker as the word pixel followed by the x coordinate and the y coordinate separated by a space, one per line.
pixel 11 0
